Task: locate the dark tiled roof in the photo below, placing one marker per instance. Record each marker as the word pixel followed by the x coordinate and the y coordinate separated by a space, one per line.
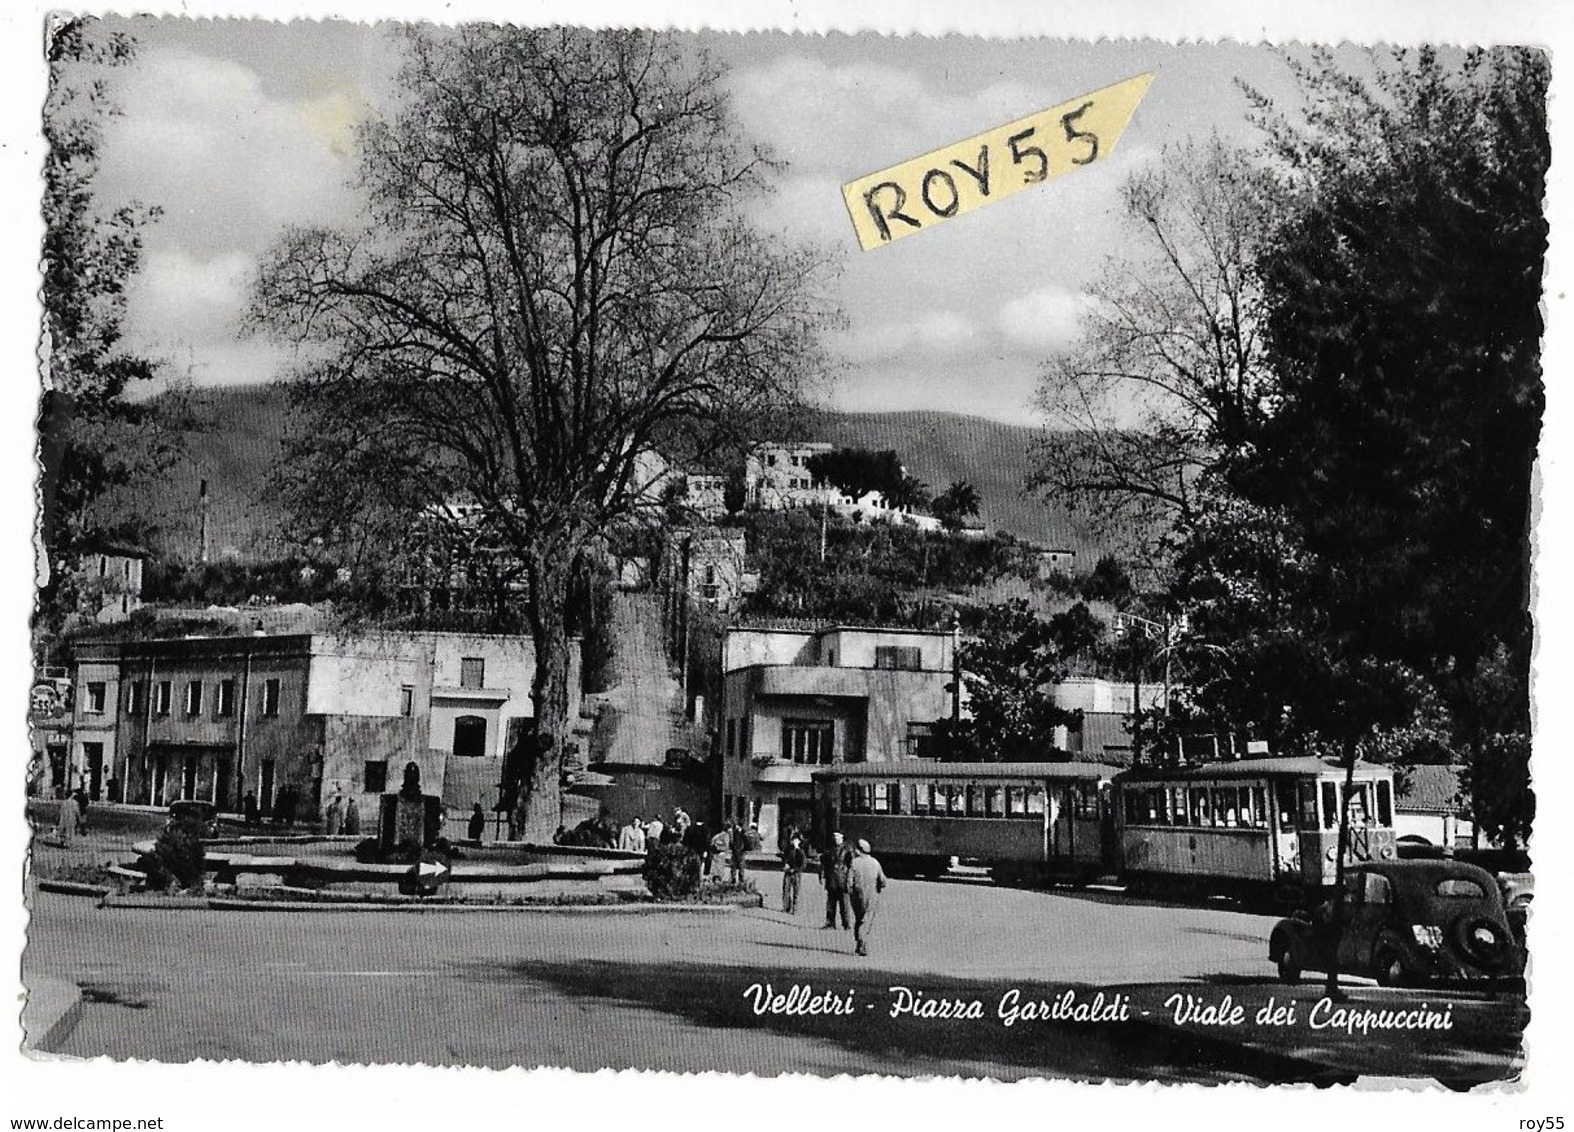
pixel 1429 789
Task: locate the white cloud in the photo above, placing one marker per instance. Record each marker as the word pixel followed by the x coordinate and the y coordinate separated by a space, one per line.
pixel 1047 319
pixel 229 164
pixel 202 297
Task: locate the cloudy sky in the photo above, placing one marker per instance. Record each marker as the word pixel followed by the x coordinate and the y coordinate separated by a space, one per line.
pixel 238 128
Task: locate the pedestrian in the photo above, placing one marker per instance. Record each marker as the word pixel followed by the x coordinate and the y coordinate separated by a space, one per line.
pixel 834 865
pixel 719 845
pixel 793 861
pixel 69 821
pixel 81 799
pixel 680 823
pixel 249 809
pixel 352 816
pixel 477 824
pixel 738 847
pixel 865 883
pixel 113 790
pixel 631 838
pixel 334 818
pixel 655 828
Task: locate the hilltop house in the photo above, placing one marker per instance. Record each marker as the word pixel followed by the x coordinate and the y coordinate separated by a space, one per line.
pixel 109 581
pixel 776 475
pixel 795 700
pixel 211 718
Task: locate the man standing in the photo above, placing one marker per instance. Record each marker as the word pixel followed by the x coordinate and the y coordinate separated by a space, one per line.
pixel 631 839
pixel 335 815
pixel 739 851
pixel 793 861
pixel 865 882
pixel 654 828
pixel 834 865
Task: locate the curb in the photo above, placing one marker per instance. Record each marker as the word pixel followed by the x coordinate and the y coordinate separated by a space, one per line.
pixel 231 904
pixel 72 888
pixel 50 1012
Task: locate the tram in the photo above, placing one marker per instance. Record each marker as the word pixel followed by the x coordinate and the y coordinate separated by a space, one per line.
pixel 1254 828
pixel 1250 827
pixel 1028 822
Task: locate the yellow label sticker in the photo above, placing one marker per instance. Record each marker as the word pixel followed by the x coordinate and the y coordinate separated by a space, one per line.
pixel 991 166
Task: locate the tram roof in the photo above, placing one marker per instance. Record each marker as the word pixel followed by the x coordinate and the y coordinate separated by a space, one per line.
pixel 929 768
pixel 1292 766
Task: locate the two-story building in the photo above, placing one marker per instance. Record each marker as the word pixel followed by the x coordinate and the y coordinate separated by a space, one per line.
pixel 214 718
pixel 109 581
pixel 776 475
pixel 794 700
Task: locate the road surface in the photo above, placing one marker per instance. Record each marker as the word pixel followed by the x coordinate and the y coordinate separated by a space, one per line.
pixel 674 991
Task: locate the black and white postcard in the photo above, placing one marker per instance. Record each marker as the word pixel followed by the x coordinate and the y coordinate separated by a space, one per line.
pixel 644 542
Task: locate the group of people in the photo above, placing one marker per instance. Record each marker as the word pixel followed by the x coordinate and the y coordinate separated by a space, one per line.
pixel 733 842
pixel 851 876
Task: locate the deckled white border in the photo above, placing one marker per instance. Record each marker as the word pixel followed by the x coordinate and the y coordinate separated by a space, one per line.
pixel 242 1097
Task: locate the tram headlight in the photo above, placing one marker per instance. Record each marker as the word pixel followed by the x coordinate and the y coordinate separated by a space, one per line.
pixel 1428 935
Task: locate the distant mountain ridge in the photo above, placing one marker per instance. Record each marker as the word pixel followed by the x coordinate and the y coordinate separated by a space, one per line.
pixel 238 447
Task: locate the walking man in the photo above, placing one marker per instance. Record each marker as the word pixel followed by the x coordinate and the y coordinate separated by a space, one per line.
pixel 865 883
pixel 793 861
pixel 834 865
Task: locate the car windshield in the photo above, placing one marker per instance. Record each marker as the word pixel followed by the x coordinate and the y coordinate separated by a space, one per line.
pixel 1460 888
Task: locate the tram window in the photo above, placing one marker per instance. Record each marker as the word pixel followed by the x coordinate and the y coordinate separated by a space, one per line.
pixel 1177 802
pixel 1223 806
pixel 1356 798
pixel 1308 793
pixel 896 797
pixel 1385 804
pixel 1284 798
pixel 995 801
pixel 1016 801
pixel 956 800
pixel 1130 806
pixel 923 797
pixel 1200 813
pixel 1087 800
pixel 975 801
pixel 1259 808
pixel 847 795
pixel 1330 807
pixel 1035 802
pixel 882 801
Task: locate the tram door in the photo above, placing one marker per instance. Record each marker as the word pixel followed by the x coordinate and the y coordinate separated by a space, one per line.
pixel 1286 828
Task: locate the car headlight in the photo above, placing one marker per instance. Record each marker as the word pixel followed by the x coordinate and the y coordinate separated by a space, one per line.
pixel 1428 935
pixel 1332 853
pixel 1388 853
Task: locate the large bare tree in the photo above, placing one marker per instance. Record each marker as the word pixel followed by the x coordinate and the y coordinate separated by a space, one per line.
pixel 553 281
pixel 1169 368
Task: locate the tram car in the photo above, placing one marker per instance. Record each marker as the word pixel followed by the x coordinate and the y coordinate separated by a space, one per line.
pixel 1261 827
pixel 1028 822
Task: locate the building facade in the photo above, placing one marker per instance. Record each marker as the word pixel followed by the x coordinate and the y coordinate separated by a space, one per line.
pixel 1104 732
pixel 109 582
pixel 215 718
pixel 776 476
pixel 794 701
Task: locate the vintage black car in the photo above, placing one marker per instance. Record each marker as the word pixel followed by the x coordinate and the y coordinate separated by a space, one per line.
pixel 1405 923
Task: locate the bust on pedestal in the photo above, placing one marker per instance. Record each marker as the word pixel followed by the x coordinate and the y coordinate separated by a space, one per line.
pixel 408 821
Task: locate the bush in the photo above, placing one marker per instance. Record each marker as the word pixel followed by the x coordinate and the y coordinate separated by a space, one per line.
pixel 178 858
pixel 672 872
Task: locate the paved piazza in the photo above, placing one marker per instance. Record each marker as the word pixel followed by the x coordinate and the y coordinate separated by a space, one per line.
pixel 672 991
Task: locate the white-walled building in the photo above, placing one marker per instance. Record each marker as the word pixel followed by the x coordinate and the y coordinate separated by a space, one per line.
pixel 214 718
pixel 796 700
pixel 776 475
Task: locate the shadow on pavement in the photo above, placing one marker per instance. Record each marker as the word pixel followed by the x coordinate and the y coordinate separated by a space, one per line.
pixel 716 997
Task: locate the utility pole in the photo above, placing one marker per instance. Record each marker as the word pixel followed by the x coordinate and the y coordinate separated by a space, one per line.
pixel 202 507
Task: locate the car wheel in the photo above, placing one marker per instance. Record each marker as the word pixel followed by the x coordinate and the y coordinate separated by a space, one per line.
pixel 1482 941
pixel 1390 969
pixel 1289 969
